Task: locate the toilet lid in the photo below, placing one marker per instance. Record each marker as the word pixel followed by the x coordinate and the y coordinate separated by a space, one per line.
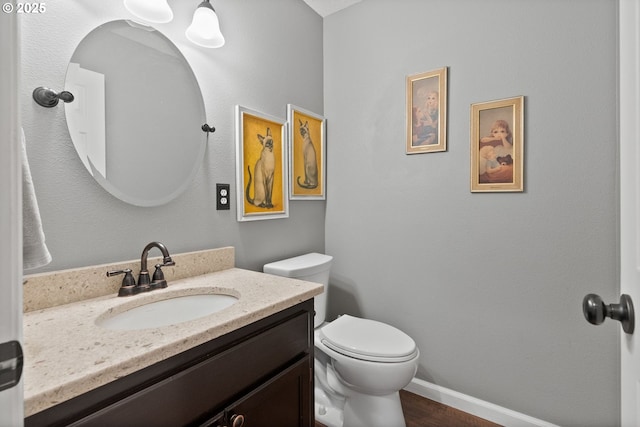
pixel 368 340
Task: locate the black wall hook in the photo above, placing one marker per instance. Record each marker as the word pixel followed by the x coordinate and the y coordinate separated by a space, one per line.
pixel 49 98
pixel 208 129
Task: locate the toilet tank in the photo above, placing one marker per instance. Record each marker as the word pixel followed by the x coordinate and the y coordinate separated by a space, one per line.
pixel 313 267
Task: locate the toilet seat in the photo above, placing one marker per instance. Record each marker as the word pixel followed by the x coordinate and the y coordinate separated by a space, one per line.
pixel 367 339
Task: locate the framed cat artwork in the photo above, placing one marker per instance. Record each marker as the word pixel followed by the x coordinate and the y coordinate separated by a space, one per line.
pixel 497 140
pixel 261 166
pixel 307 154
pixel 426 112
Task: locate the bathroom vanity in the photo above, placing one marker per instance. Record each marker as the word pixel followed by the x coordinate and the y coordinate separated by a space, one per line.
pixel 249 364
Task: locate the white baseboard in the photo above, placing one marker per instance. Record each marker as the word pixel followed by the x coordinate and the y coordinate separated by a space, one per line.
pixel 471 405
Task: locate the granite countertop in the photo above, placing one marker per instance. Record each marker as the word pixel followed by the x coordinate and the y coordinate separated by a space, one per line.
pixel 67 354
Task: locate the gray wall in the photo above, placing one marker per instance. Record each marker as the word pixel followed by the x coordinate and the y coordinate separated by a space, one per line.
pixel 273 56
pixel 489 285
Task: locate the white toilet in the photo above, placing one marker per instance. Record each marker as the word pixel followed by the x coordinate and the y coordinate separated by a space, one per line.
pixel 360 364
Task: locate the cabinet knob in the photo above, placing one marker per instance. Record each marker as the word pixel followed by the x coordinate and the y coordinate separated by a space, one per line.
pixel 237 420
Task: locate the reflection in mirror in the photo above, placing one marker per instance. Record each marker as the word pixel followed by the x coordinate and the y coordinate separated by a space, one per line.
pixel 137 115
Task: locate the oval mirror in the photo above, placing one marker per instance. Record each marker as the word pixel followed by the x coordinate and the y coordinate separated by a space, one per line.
pixel 137 115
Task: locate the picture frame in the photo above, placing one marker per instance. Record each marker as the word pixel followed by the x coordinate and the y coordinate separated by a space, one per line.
pixel 261 166
pixel 307 154
pixel 497 141
pixel 426 112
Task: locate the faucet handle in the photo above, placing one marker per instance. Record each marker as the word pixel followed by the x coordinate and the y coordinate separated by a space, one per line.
pixel 128 279
pixel 128 282
pixel 158 281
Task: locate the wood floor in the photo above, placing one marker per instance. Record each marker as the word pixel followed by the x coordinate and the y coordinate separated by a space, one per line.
pixel 421 412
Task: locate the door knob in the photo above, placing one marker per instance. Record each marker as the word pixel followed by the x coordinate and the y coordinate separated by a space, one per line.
pixel 595 311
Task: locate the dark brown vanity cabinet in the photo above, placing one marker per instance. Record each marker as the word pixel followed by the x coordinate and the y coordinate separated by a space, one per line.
pixel 260 375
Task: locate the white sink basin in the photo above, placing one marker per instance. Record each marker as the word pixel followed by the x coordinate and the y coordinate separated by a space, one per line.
pixel 167 312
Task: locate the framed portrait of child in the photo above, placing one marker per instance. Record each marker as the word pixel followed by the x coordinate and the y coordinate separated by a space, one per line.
pixel 497 135
pixel 426 112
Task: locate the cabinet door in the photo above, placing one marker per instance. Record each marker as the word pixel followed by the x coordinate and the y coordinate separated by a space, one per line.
pixel 283 401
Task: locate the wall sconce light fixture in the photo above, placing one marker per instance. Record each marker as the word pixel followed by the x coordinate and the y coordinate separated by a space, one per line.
pixel 155 11
pixel 203 31
pixel 205 28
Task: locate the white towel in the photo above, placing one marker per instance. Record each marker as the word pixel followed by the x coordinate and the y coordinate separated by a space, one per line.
pixel 34 250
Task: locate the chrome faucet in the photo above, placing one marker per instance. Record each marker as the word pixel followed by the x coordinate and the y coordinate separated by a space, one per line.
pixel 146 284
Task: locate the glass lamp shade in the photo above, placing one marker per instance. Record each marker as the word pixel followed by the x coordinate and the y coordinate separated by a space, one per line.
pixel 205 28
pixel 155 11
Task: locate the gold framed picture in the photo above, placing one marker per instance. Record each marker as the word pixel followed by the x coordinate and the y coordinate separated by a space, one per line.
pixel 497 141
pixel 307 154
pixel 261 165
pixel 427 112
